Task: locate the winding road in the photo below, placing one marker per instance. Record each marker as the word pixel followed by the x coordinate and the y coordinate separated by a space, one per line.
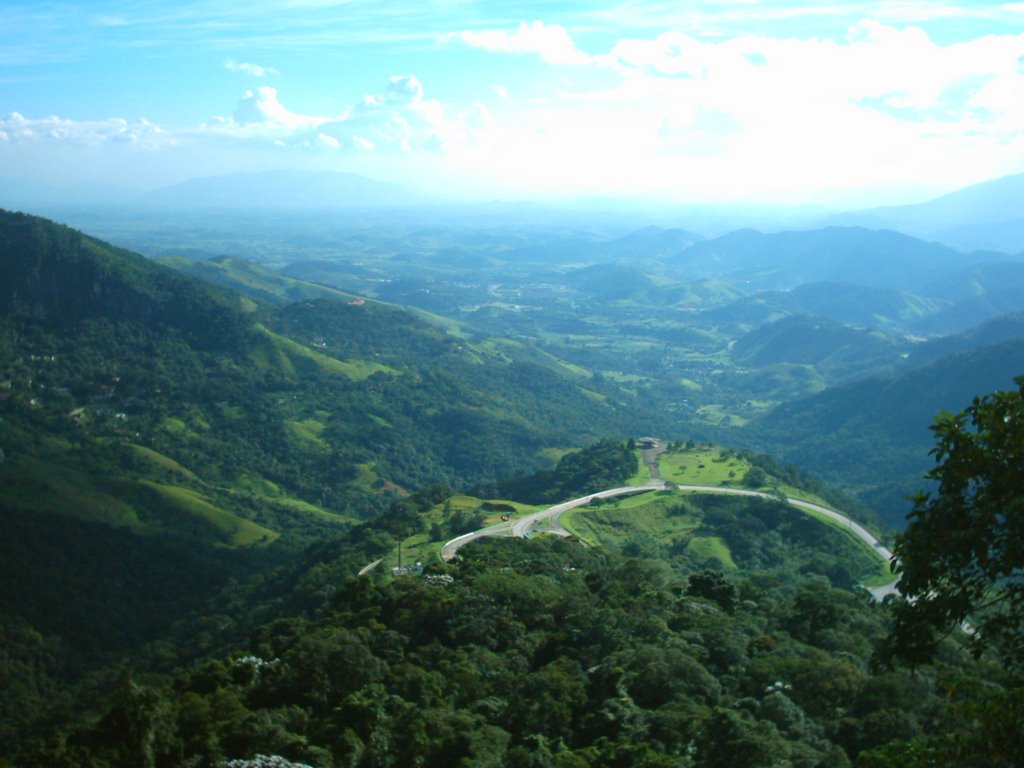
pixel 524 526
pixel 548 518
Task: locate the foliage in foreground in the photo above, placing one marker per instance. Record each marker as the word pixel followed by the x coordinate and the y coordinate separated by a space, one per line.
pixel 962 556
pixel 533 654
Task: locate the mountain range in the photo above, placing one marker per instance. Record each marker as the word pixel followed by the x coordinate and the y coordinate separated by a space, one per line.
pixel 981 217
pixel 198 456
pixel 984 216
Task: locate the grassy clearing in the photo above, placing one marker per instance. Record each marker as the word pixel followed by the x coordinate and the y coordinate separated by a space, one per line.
pixel 882 579
pixel 799 493
pixel 415 549
pixel 716 414
pixel 306 435
pixel 451 326
pixel 367 478
pixel 642 476
pixel 648 522
pixel 255 485
pixel 706 466
pixel 708 547
pixel 37 485
pixel 235 531
pixel 508 350
pixel 552 455
pixel 269 355
pixel 283 354
pixel 638 500
pixel 298 505
pixel 650 513
pixel 460 502
pixel 176 426
pixel 156 459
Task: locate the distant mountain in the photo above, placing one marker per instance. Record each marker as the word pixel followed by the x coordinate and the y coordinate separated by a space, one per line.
pixel 835 350
pixel 884 309
pixel 880 259
pixel 980 280
pixel 949 304
pixel 651 243
pixel 988 215
pixel 976 294
pixel 285 190
pixel 610 281
pixel 996 331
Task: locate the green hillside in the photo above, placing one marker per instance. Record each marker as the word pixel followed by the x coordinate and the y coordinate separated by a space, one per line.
pixel 872 435
pixel 139 400
pixel 730 534
pixel 836 351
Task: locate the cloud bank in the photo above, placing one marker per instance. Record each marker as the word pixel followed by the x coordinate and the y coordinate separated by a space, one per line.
pixel 673 114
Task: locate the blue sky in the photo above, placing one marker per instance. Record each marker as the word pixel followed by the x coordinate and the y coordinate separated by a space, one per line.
pixel 848 103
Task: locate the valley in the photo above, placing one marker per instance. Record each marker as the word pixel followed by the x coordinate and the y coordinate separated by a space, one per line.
pixel 222 447
pixel 711 336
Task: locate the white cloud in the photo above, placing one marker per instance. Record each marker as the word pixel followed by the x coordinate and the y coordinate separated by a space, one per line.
pixel 398 118
pixel 673 114
pixel 262 109
pixel 247 68
pixel 402 118
pixel 328 141
pixel 550 41
pixel 18 129
pixel 750 116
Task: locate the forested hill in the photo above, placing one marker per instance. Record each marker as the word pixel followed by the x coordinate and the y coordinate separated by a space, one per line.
pixel 193 372
pixel 58 277
pixel 160 436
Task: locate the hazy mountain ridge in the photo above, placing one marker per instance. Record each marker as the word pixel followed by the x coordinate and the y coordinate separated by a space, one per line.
pixel 874 258
pixel 986 215
pixel 284 190
pixel 836 350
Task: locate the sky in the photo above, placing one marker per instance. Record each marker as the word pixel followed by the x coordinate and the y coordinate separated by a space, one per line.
pixel 731 101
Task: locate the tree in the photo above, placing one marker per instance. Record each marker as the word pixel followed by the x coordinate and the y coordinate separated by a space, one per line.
pixel 962 554
pixel 755 477
pixel 713 586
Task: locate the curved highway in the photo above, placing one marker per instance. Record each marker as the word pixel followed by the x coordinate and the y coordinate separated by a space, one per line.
pixel 522 527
